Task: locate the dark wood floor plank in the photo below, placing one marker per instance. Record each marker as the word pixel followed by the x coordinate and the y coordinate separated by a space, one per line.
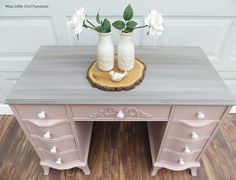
pixel 118 151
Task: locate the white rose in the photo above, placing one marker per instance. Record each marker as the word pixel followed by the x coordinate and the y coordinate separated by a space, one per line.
pixel 77 20
pixel 154 21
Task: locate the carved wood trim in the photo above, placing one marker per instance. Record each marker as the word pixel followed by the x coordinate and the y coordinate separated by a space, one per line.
pixel 105 112
pixel 136 113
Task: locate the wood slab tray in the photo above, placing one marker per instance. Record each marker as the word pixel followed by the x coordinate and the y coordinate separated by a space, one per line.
pixel 101 79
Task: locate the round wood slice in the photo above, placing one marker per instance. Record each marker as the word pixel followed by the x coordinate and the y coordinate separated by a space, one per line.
pixel 101 79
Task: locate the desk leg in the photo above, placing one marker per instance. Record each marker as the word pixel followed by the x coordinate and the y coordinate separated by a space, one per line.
pixel 154 170
pixel 193 171
pixel 46 170
pixel 85 169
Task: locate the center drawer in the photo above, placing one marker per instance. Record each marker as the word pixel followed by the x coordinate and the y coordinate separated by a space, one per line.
pixel 111 112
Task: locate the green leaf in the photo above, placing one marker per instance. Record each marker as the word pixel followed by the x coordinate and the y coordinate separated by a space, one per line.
pixel 106 26
pixel 98 18
pixel 118 24
pixel 128 13
pixel 98 28
pixel 128 30
pixel 131 24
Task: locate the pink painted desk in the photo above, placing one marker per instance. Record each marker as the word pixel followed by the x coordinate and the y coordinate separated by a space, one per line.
pixel 182 99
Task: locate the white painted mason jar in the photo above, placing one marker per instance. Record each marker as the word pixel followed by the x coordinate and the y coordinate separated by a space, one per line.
pixel 126 51
pixel 105 52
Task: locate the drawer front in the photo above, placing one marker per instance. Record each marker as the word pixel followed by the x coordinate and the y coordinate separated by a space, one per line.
pixel 114 112
pixel 65 158
pixel 191 131
pixel 57 130
pixel 179 146
pixel 176 158
pixel 61 146
pixel 192 112
pixel 35 111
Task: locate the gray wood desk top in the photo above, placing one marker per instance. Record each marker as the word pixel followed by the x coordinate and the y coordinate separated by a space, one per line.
pixel 174 75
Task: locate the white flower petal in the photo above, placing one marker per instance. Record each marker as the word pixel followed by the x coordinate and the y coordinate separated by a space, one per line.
pixel 159 33
pixel 152 31
pixel 161 28
pixel 80 14
pixel 77 30
pixel 154 21
pixel 77 20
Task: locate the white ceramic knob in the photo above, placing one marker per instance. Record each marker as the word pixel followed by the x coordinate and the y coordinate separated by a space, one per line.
pixel 42 115
pixel 187 150
pixel 195 135
pixel 59 161
pixel 200 116
pixel 120 115
pixel 47 135
pixel 53 150
pixel 181 161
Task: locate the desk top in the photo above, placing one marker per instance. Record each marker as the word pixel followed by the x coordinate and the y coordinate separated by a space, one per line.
pixel 174 75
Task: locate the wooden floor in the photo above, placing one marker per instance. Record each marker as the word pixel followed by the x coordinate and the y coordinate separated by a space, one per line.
pixel 118 151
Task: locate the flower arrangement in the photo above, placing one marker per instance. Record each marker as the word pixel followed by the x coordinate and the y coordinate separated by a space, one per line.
pixel 153 21
pixel 125 50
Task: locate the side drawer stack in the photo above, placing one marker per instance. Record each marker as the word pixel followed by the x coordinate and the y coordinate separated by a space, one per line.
pixel 189 131
pixel 49 129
